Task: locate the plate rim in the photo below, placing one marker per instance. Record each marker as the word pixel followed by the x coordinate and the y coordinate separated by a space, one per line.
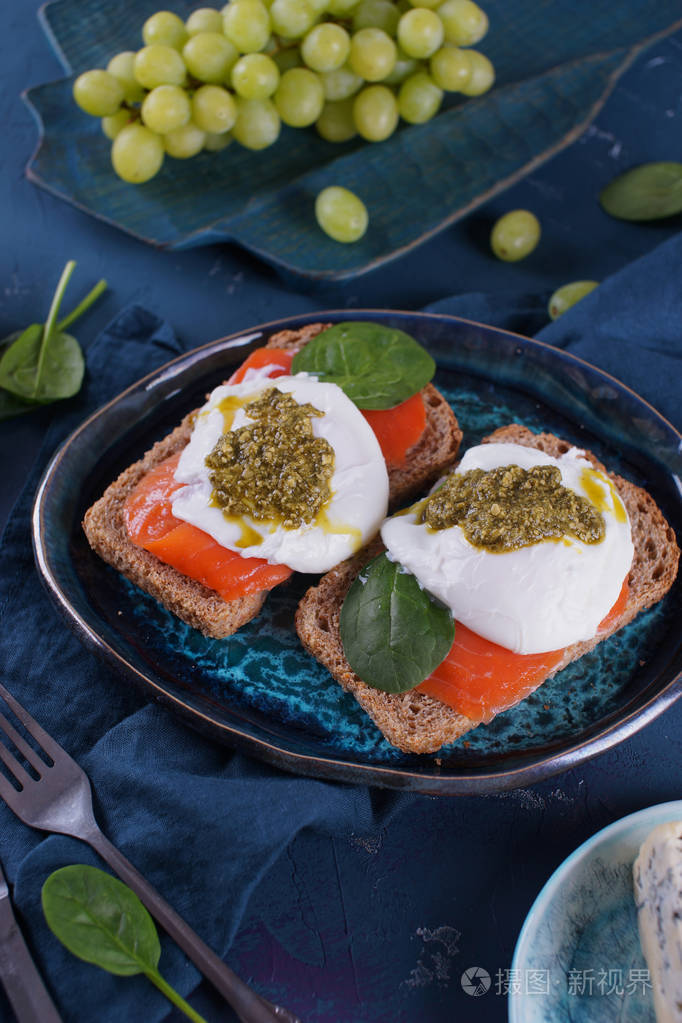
pixel 334 767
pixel 563 871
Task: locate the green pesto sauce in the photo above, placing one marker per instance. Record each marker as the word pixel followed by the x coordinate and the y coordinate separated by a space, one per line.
pixel 509 507
pixel 274 468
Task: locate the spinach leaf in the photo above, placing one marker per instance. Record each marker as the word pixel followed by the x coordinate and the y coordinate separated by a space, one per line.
pixel 647 192
pixel 42 364
pixel 393 633
pixel 99 919
pixel 378 367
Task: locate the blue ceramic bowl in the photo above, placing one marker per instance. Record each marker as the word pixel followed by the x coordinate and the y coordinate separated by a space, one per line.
pixel 259 690
pixel 578 956
pixel 554 69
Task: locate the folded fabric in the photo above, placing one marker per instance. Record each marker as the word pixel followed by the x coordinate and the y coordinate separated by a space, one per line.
pixel 203 823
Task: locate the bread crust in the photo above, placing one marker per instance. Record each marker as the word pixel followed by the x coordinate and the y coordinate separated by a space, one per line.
pixel 418 723
pixel 196 604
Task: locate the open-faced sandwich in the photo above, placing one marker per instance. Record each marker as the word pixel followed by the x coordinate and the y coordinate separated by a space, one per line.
pixel 289 466
pixel 521 560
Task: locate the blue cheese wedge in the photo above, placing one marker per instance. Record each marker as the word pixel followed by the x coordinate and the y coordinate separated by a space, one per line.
pixel 658 896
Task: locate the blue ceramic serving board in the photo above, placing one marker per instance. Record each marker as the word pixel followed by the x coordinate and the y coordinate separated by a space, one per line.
pixel 555 66
pixel 259 690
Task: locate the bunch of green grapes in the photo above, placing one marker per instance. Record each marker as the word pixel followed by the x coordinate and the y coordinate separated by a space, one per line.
pixel 346 66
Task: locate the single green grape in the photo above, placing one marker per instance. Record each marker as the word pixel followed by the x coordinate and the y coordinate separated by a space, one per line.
pixel 482 75
pixel 258 124
pixel 255 76
pixel 403 68
pixel 375 112
pixel 300 97
pixel 419 98
pixel 98 93
pixel 336 123
pixel 159 65
pixel 372 54
pixel 246 23
pixel 420 32
pixel 567 295
pixel 325 47
pixel 166 28
pixel 451 67
pixel 213 109
pixel 464 22
pixel 165 108
pixel 515 235
pixel 205 19
pixel 340 84
pixel 215 143
pixel 341 214
pixel 115 123
pixel 136 154
pixel 209 56
pixel 376 14
pixel 291 19
pixel 184 142
pixel 121 66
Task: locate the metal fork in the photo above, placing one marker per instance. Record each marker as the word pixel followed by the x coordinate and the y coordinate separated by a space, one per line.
pixel 60 800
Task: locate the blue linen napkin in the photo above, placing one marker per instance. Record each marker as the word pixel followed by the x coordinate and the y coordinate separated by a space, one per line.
pixel 203 823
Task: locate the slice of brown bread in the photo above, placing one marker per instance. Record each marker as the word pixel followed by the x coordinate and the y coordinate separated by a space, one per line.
pixel 418 723
pixel 196 604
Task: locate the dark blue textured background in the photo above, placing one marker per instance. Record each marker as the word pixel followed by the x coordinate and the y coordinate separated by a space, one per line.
pixel 343 926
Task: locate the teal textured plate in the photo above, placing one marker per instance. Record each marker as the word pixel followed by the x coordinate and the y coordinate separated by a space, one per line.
pixel 579 945
pixel 555 66
pixel 259 690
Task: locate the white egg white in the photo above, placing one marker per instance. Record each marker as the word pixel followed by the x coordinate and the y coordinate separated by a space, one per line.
pixel 359 484
pixel 539 598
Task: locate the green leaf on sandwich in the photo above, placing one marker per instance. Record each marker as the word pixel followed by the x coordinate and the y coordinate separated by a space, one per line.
pixel 378 367
pixel 393 633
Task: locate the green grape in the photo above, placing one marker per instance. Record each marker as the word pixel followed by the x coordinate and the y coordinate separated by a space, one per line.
pixel 136 154
pixel 288 58
pixel 114 123
pixel 515 235
pixel 341 8
pixel 205 19
pixel 335 123
pixel 209 56
pixel 184 142
pixel 375 112
pixel 372 54
pixel 121 66
pixel 341 214
pixel 567 295
pixel 300 97
pixel 98 93
pixel 404 66
pixel 482 75
pixel 213 109
pixel 420 32
pixel 340 84
pixel 246 23
pixel 215 143
pixel 159 65
pixel 451 68
pixel 419 98
pixel 165 108
pixel 325 47
pixel 255 76
pixel 257 124
pixel 376 14
pixel 464 22
pixel 291 18
pixel 165 28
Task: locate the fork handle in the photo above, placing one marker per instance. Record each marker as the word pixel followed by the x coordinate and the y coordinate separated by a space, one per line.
pixel 248 1005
